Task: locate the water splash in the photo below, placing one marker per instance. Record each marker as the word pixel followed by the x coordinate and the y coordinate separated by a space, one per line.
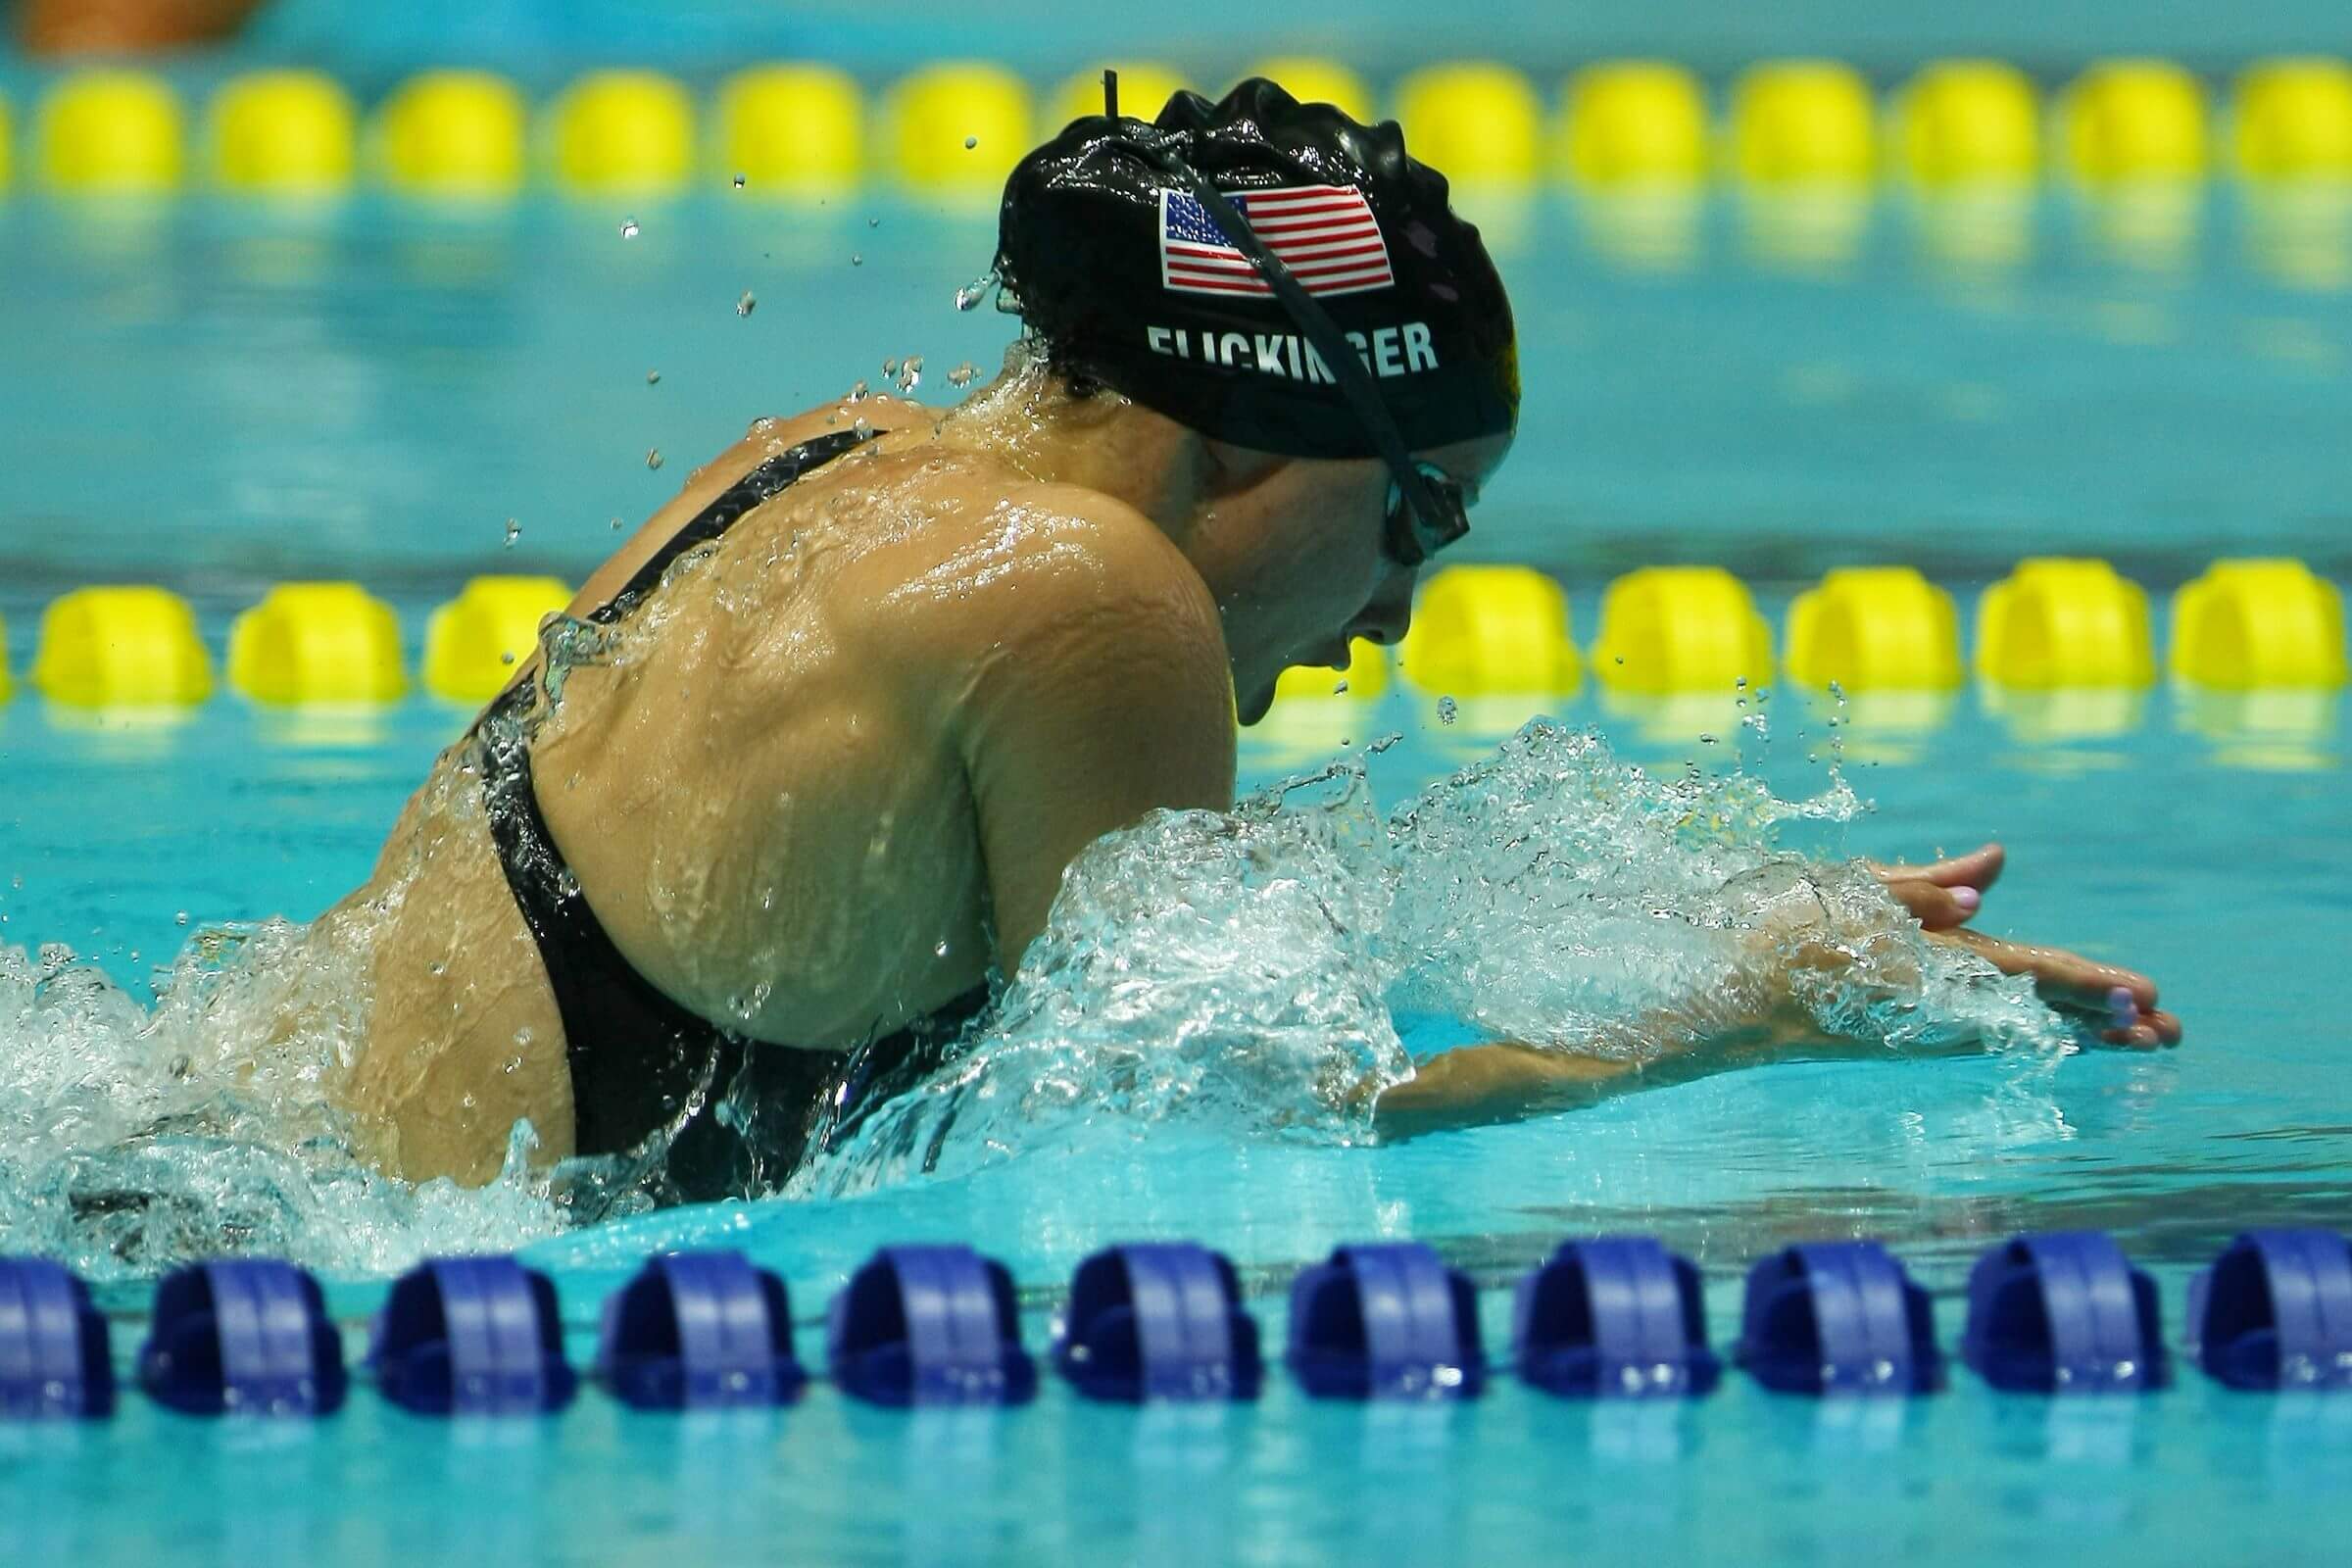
pixel 1242 970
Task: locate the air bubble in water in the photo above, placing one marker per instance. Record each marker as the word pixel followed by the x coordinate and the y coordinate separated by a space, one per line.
pixel 616 525
pixel 514 533
pixel 653 378
pixel 962 375
pixel 628 228
pixel 652 456
pixel 873 223
pixel 181 918
pixel 746 305
pixel 910 373
pixel 739 183
pixel 970 142
pixel 857 259
pixel 1447 707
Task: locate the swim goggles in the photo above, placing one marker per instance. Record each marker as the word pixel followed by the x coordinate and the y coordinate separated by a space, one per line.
pixel 1427 507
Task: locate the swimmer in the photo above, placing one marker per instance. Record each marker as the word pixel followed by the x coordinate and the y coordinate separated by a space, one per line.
pixel 813 749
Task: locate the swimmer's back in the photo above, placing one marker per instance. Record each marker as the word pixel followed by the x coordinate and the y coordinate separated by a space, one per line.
pixel 838 756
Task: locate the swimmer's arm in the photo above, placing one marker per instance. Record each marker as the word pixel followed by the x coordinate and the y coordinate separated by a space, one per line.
pixel 1100 692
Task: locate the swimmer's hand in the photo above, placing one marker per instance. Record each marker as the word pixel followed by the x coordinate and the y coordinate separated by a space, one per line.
pixel 2120 1001
pixel 1944 896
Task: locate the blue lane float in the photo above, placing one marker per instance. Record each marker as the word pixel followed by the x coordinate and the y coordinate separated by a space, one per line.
pixel 55 1355
pixel 2275 1312
pixel 1619 1317
pixel 698 1331
pixel 2063 1313
pixel 1838 1317
pixel 1386 1322
pixel 243 1337
pixel 473 1335
pixel 929 1325
pixel 1158 1321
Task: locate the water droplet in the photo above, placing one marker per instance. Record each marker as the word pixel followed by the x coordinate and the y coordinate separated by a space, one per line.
pixel 969 296
pixel 652 456
pixel 746 305
pixel 653 378
pixel 890 367
pixel 1447 707
pixel 1706 740
pixel 873 223
pixel 739 183
pixel 970 142
pixel 1340 690
pixel 857 393
pixel 941 951
pixel 505 658
pixel 616 525
pixel 862 428
pixel 514 533
pixel 962 375
pixel 181 918
pixel 628 228
pixel 857 259
pixel 910 373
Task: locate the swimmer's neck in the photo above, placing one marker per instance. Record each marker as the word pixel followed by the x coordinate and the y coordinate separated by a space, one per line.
pixel 1028 419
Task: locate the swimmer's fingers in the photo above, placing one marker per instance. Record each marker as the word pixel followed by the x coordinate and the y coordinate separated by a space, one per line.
pixel 1979 868
pixel 1932 905
pixel 2124 1000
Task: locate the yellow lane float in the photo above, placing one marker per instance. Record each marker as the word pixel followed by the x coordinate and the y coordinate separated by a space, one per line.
pixel 624 133
pixel 1366 676
pixel 1961 122
pixel 109 133
pixel 1633 122
pixel 1484 631
pixel 2246 624
pixel 1144 87
pixel 956 129
pixel 472 643
pixel 1480 121
pixel 1802 121
pixel 454 135
pixel 2133 119
pixel 1666 629
pixel 317 642
pixel 8 168
pixel 283 132
pixel 2293 120
pixel 1875 628
pixel 791 130
pixel 2057 622
pixel 1312 79
pixel 131 646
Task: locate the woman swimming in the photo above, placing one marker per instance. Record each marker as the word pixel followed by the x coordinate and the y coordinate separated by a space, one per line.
pixel 804 762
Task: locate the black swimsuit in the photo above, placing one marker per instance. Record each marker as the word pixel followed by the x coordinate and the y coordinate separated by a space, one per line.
pixel 737 1115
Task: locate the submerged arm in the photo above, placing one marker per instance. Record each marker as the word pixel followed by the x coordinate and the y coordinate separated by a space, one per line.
pixel 1509 1081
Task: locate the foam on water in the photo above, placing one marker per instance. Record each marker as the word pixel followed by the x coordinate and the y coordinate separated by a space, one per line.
pixel 1237 974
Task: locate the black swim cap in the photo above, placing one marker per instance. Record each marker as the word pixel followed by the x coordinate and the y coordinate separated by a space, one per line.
pixel 1125 275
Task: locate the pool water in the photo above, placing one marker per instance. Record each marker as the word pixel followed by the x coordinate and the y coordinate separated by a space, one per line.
pixel 217 399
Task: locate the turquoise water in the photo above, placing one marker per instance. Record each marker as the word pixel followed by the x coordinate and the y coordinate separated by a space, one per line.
pixel 217 399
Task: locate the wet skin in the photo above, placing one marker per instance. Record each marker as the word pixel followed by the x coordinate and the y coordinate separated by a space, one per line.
pixel 832 771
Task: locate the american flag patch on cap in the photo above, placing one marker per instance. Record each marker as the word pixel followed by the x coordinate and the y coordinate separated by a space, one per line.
pixel 1325 234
